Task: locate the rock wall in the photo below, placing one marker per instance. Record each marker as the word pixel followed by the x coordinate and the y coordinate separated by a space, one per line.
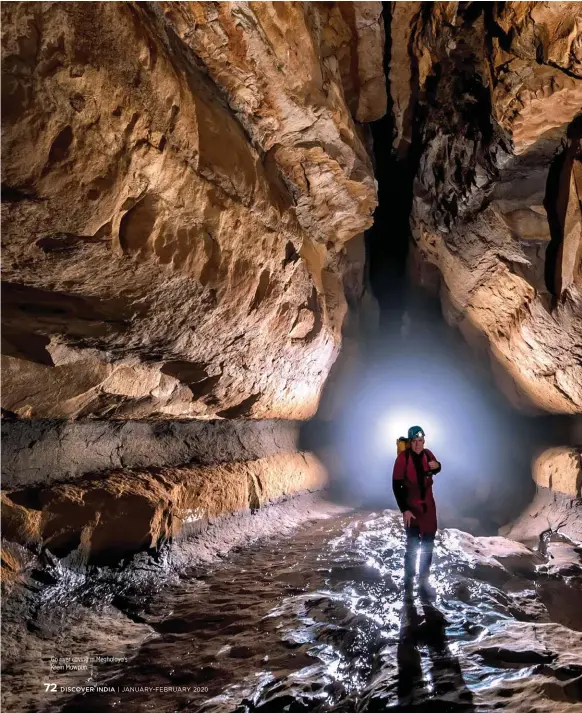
pixel 557 504
pixel 179 185
pixel 38 453
pixel 560 470
pixel 183 187
pixel 101 520
pixel 489 95
pixel 487 103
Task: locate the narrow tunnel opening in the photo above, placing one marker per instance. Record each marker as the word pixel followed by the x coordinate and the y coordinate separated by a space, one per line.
pixel 387 241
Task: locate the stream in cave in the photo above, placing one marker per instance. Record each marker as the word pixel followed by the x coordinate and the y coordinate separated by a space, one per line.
pixel 315 621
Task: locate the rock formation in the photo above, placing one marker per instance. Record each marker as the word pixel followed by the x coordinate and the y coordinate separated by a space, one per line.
pixel 106 519
pixel 176 215
pixel 492 93
pixel 487 103
pixel 182 226
pixel 181 184
pixel 557 504
pixel 185 192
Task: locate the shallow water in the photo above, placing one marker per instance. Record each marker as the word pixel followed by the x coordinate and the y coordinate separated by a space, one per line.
pixel 316 622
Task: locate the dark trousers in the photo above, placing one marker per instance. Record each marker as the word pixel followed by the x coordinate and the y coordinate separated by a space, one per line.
pixel 414 541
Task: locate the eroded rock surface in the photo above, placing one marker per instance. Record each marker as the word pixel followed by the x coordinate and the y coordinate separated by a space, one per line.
pixel 36 453
pixel 179 185
pixel 557 505
pixel 106 518
pixel 316 621
pixel 560 470
pixel 183 186
pixel 493 94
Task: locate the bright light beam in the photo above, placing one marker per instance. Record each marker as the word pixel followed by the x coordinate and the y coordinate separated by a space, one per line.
pixel 393 425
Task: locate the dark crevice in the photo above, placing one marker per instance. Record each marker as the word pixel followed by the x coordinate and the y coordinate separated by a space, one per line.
pixel 387 242
pixel 241 409
pixel 551 204
pixel 59 149
pixel 556 205
pixel 13 194
pixel 291 254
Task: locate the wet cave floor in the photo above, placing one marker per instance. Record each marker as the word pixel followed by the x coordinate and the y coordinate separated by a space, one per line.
pixel 316 621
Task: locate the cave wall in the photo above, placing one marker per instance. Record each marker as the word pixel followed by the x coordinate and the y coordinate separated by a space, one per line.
pixel 179 185
pixel 491 92
pixel 43 452
pixel 487 103
pixel 184 191
pixel 100 520
pixel 557 503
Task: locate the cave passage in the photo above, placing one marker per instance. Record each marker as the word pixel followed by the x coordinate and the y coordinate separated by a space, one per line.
pixel 246 246
pixel 417 369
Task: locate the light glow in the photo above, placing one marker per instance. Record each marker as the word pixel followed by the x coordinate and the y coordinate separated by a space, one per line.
pixel 394 425
pixel 428 380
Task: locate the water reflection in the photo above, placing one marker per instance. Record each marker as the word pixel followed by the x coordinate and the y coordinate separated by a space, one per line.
pixel 316 623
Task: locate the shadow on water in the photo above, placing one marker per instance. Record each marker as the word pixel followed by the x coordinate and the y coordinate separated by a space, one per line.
pixel 445 677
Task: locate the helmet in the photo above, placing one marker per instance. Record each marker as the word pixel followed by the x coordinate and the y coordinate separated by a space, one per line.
pixel 415 432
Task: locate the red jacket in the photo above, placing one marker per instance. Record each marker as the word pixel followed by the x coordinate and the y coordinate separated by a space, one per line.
pixel 408 490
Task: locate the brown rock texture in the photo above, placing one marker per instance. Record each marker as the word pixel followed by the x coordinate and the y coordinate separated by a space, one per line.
pixel 183 185
pixel 557 504
pixel 103 519
pixel 180 182
pixel 560 470
pixel 36 453
pixel 12 571
pixel 550 513
pixel 490 97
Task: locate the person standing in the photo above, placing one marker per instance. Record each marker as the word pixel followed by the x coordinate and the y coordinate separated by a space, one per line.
pixel 412 480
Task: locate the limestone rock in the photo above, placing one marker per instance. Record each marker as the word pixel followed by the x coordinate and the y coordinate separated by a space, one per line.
pixel 15 561
pixel 533 103
pixel 548 648
pixel 550 31
pixel 560 470
pixel 42 453
pixel 556 509
pixel 404 19
pixel 495 96
pixel 179 181
pixel 126 511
